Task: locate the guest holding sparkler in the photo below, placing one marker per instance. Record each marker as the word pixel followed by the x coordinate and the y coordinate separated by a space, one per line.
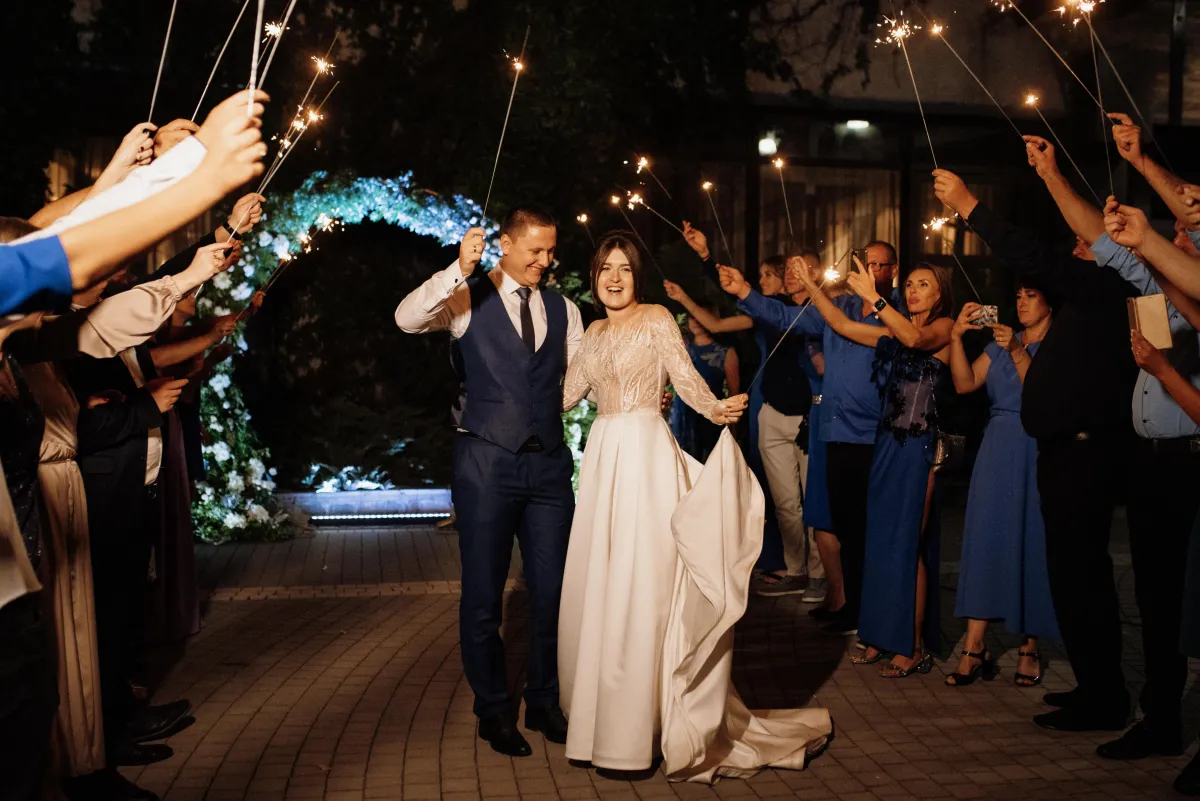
pixel 899 609
pixel 1075 403
pixel 1165 464
pixel 850 411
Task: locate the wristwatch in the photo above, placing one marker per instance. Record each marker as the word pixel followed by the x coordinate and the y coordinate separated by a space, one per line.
pixel 235 234
pixel 880 305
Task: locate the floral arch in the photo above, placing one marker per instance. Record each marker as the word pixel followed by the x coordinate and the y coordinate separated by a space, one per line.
pixel 236 499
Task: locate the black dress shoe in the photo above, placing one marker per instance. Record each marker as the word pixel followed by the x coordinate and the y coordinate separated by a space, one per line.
pixel 170 731
pixel 1140 742
pixel 1081 719
pixel 105 785
pixel 549 720
pixel 132 755
pixel 1188 780
pixel 839 625
pixel 156 722
pixel 503 737
pixel 1063 700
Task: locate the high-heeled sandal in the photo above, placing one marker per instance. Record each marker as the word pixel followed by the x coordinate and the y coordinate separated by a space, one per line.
pixel 863 659
pixel 922 665
pixel 986 670
pixel 1024 679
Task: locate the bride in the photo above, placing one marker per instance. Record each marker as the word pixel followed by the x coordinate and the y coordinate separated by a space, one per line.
pixel 659 561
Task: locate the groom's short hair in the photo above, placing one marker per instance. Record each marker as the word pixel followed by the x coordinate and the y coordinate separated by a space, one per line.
pixel 522 217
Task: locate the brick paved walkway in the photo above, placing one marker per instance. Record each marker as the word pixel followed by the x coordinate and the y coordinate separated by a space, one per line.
pixel 329 668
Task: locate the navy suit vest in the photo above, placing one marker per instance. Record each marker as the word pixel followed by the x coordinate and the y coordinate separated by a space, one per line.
pixel 513 395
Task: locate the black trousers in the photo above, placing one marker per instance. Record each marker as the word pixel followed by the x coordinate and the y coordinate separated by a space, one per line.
pixel 28 698
pixel 500 495
pixel 1163 502
pixel 847 471
pixel 120 561
pixel 1079 481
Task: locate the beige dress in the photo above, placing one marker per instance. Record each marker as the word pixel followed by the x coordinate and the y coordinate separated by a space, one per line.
pixel 120 322
pixel 658 572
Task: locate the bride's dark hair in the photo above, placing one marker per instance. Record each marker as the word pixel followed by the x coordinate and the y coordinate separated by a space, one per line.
pixel 617 240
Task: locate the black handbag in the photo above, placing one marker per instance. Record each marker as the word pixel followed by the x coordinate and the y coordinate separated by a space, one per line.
pixel 950 453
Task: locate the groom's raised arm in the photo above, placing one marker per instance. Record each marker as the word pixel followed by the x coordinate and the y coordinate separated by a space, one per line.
pixel 443 303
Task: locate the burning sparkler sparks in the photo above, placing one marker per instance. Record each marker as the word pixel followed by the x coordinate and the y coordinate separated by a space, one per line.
pixel 831 274
pixel 706 186
pixel 644 164
pixel 518 68
pixel 323 67
pixel 936 224
pixel 582 218
pixel 616 201
pixel 898 31
pixel 635 199
pixel 272 30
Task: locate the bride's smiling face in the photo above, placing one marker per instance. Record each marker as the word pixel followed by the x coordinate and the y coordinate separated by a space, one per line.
pixel 615 284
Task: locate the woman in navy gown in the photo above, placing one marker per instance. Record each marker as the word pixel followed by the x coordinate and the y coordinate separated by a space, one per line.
pixel 718 366
pixel 899 601
pixel 1003 575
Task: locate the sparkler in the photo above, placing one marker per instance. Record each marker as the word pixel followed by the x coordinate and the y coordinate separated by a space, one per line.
pixel 938 30
pixel 707 186
pixel 1006 4
pixel 1031 100
pixel 275 47
pixel 783 188
pixel 1105 130
pixel 616 202
pixel 220 56
pixel 897 33
pixel 322 67
pixel 162 59
pixel 254 61
pixel 518 68
pixel 582 219
pixel 644 164
pixel 635 199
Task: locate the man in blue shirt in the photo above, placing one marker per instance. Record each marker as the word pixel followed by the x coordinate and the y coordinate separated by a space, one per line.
pixel 34 275
pixel 850 406
pixel 1164 472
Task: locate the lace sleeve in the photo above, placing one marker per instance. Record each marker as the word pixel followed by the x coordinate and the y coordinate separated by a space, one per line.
pixel 576 386
pixel 668 342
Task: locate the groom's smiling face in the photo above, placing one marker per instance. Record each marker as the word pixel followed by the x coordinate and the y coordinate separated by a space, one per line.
pixel 529 253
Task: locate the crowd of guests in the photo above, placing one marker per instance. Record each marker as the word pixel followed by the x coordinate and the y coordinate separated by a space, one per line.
pixel 847 439
pixel 99 371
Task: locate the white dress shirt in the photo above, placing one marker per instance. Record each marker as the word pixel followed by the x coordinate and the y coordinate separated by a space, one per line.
pixel 154 443
pixel 443 303
pixel 144 182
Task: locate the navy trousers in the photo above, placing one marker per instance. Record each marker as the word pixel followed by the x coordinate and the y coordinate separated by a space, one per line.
pixel 499 495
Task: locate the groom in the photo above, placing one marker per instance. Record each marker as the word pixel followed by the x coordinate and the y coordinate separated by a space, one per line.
pixel 512 470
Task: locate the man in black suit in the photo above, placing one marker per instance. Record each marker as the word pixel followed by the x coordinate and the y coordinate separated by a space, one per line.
pixel 122 402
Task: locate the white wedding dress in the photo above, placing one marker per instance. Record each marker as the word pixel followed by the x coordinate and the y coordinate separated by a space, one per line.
pixel 658 572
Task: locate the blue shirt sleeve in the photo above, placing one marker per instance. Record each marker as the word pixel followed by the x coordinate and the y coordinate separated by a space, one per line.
pixel 34 276
pixel 1195 237
pixel 779 316
pixel 1109 254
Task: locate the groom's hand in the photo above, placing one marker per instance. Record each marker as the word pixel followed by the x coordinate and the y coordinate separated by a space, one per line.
pixel 470 251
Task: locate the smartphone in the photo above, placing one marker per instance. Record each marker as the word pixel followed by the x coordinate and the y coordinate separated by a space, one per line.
pixel 988 315
pixel 861 255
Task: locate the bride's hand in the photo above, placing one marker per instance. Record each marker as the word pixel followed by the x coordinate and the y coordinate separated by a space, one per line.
pixel 731 409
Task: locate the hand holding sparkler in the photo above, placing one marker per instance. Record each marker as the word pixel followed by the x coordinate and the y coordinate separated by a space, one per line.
pixel 732 281
pixel 953 192
pixel 696 240
pixel 247 213
pixel 470 250
pixel 136 150
pixel 1126 225
pixel 172 134
pixel 1128 138
pixel 1190 196
pixel 1041 158
pixel 209 261
pixel 234 142
pixel 674 291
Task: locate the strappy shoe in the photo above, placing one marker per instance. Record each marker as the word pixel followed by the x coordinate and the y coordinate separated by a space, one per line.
pixel 863 659
pixel 922 665
pixel 1024 679
pixel 986 670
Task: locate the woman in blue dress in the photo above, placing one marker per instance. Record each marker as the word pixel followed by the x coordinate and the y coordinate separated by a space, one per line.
pixel 1003 575
pixel 899 601
pixel 718 366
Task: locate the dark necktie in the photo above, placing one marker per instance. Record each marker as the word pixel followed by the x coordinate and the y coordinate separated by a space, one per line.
pixel 527 319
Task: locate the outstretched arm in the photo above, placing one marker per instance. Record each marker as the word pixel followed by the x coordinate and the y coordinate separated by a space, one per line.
pixel 1170 187
pixel 768 311
pixel 1128 227
pixel 668 343
pixel 715 324
pixel 1085 220
pixel 967 376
